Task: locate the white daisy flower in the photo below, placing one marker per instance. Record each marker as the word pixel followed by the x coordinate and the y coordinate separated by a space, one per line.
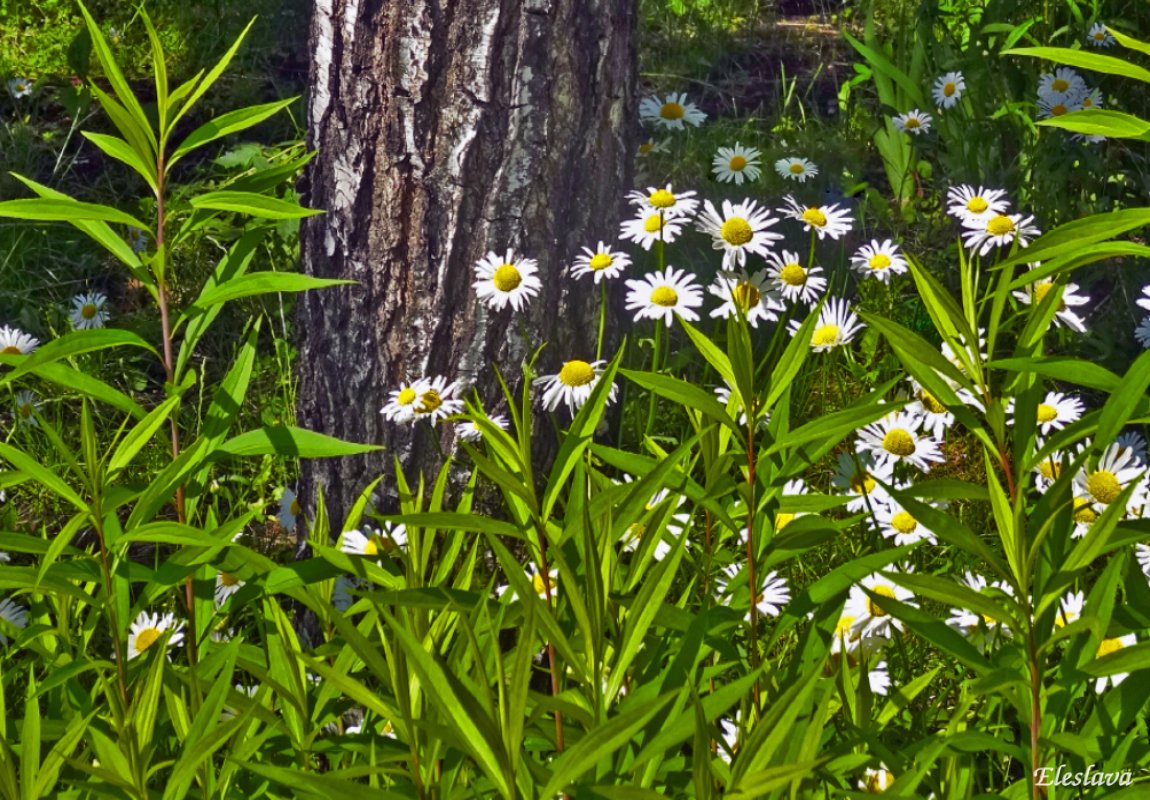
pixel 880 260
pixel 1142 553
pixel 14 614
pixel 837 325
pixel 1117 469
pixel 374 542
pixel 649 146
pixel 147 630
pixel 968 203
pixel 878 677
pixel 898 437
pixel 829 220
pixel 1144 300
pixel 227 584
pixel 773 596
pixel 14 341
pixel 27 407
pixel 137 240
pixel 937 419
pixel 736 164
pixel 1099 36
pixel 1055 412
pixel 750 293
pixel 436 400
pixel 401 402
pixel 948 89
pixel 650 227
pixel 870 617
pixel 1050 107
pixel 661 295
pixel 791 488
pixel 729 730
pixel 794 281
pixel 1069 609
pixel 1142 332
pixel 914 122
pixel 724 394
pixel 572 385
pixel 876 781
pixel 998 231
pixel 862 478
pixel 899 525
pixel 677 205
pixel 600 263
pixel 967 622
pixel 740 229
pixel 1135 443
pixel 1047 471
pixel 289 510
pixel 675 526
pixel 671 112
pixel 1105 648
pixel 88 311
pixel 1064 85
pixel 19 87
pixel 470 432
pixel 1034 293
pixel 539 583
pixel 506 280
pixel 796 169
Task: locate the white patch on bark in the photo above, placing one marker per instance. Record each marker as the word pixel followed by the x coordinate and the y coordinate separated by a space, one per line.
pixel 350 16
pixel 320 94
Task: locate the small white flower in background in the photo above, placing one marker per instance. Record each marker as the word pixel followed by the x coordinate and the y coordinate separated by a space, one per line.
pixel 675 526
pixel 437 400
pixel 729 730
pixel 401 402
pixel 948 89
pixel 649 146
pixel 880 260
pixel 914 122
pixel 1049 469
pixel 469 431
pixel 876 781
pixel 27 406
pixel 796 282
pixel 660 295
pixel 837 325
pixel 1099 36
pixel 791 488
pixel 1142 332
pixel 506 280
pixel 19 87
pixel 1144 300
pixel 968 203
pixel 1063 86
pixel 796 169
pixel 227 584
pixel 1069 609
pixel 1105 648
pixel 751 293
pixel 572 385
pixel 1135 443
pixel 736 164
pixel 967 622
pixel 600 263
pixel 147 630
pixel 1117 469
pixel 998 231
pixel 288 515
pixel 137 240
pixel 741 228
pixel 14 614
pixel 899 525
pixel 231 712
pixel 1142 553
pixel 863 480
pixel 651 226
pixel 676 205
pixel 1055 412
pixel 878 677
pixel 539 584
pixel 826 221
pixel 724 394
pixel 5 558
pixel 88 311
pixel 342 593
pixel 871 619
pixel 671 112
pixel 851 639
pixel 14 341
pixel 374 541
pixel 937 419
pixel 1035 292
pixel 773 595
pixel 898 437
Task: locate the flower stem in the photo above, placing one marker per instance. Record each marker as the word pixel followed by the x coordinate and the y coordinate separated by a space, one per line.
pixel 602 319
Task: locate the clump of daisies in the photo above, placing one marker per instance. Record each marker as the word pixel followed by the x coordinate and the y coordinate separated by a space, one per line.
pixel 1063 92
pixel 986 219
pixel 431 398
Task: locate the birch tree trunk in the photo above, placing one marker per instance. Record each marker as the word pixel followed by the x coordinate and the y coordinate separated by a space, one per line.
pixel 445 130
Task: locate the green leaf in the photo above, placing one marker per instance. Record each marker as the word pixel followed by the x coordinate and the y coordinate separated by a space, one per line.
pixel 42 474
pixel 74 344
pixel 1130 658
pixel 686 394
pixel 52 210
pixel 1101 122
pixel 249 203
pixel 202 86
pixel 1078 234
pixel 83 383
pixel 1063 369
pixel 714 356
pixel 1084 60
pixel 287 440
pixel 883 65
pixel 1127 395
pixel 141 435
pixel 226 124
pixel 122 151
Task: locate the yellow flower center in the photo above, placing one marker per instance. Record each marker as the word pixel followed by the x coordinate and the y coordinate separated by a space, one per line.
pixel 843 627
pixel 371 546
pixel 664 296
pixel 506 278
pixel 878 782
pixel 949 89
pixel 1050 469
pixel 1060 84
pixel 294 508
pixel 1042 289
pixel 1083 512
pixel 146 638
pixel 1099 36
pixel 661 198
pixel 825 335
pixel 912 122
pixel 903 522
pixel 11 350
pixel 1103 486
pixel 1058 109
pixel 737 163
pixel 793 275
pixel 746 295
pixel 429 401
pixel 636 530
pixel 576 373
pixel 653 223
pixel 977 205
pixel 1108 646
pixel 1000 225
pixel 1047 413
pixel 671 111
pixel 541 583
pixel 898 442
pixel 737 231
pixel 797 168
pixel 863 483
pixel 815 216
pixel 88 311
pixel 646 148
pixel 879 261
pixel 930 402
pixel 874 608
pixel 1088 102
pixel 228 579
pixel 782 520
pixel 601 261
pixel 406 396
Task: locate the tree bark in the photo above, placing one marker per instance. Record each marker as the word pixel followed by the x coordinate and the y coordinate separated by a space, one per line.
pixel 446 130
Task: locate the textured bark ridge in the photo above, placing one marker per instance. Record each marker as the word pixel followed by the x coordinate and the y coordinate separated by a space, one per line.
pixel 445 130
